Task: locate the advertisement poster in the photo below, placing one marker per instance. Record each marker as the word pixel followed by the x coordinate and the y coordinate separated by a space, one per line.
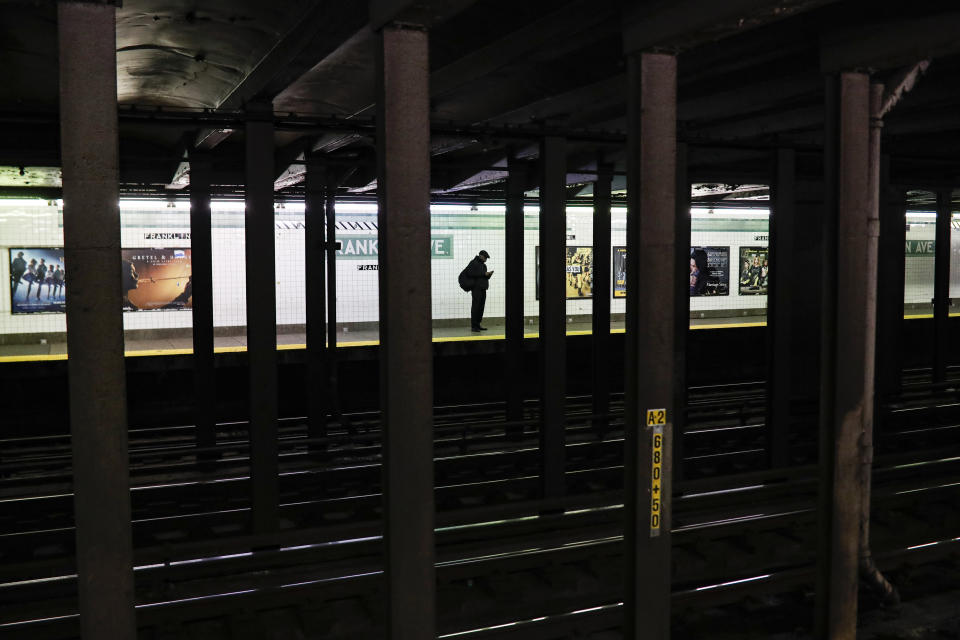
pixel 536 290
pixel 155 279
pixel 709 271
pixel 619 272
pixel 579 272
pixel 37 280
pixel 579 268
pixel 754 271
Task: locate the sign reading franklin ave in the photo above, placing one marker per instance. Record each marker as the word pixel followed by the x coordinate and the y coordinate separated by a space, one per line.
pixel 365 247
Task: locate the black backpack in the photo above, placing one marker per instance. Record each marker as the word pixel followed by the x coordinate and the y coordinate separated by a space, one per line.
pixel 465 281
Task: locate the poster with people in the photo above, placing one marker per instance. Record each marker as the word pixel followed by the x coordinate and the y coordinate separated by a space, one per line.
pixel 754 271
pixel 579 272
pixel 156 279
pixel 709 271
pixel 619 272
pixel 38 280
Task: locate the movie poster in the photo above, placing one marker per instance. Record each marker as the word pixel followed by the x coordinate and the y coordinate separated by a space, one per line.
pixel 709 271
pixel 38 282
pixel 619 272
pixel 579 272
pixel 754 271
pixel 156 279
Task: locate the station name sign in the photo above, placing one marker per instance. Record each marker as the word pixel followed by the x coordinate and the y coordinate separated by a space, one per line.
pixel 365 247
pixel 921 248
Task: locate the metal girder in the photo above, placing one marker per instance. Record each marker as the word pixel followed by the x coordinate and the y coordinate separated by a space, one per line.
pixel 766 124
pixel 604 92
pixel 424 13
pixel 573 18
pixel 927 121
pixel 902 82
pixel 295 52
pixel 677 25
pixel 888 45
pixel 753 97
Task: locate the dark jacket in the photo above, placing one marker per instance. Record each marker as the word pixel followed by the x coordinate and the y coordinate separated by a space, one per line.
pixel 478 271
pixel 18 266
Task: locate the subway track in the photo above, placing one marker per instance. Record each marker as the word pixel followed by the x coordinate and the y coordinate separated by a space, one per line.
pixel 733 535
pixel 477 463
pixel 754 535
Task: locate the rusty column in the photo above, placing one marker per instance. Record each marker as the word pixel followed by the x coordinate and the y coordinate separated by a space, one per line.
pixel 97 375
pixel 650 357
pixel 406 349
pixel 845 361
pixel 868 567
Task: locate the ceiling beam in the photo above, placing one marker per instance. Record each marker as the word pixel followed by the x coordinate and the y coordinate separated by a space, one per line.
pixel 889 45
pixel 746 98
pixel 425 13
pixel 576 17
pixel 313 35
pixel 764 125
pixel 684 24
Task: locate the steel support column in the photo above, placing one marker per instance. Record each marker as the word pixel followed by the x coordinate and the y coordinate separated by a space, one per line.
pixel 780 307
pixel 553 315
pixel 406 354
pixel 844 352
pixel 315 267
pixel 201 282
pixel 650 357
pixel 601 291
pixel 893 235
pixel 97 376
pixel 513 312
pixel 681 307
pixel 262 318
pixel 941 287
pixel 333 369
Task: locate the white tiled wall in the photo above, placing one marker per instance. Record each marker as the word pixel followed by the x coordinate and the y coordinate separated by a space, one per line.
pixel 36 223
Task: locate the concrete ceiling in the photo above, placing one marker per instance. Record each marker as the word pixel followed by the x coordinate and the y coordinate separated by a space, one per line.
pixel 750 78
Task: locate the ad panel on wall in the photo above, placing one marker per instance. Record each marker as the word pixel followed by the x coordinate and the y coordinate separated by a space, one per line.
pixel 579 273
pixel 754 271
pixel 709 271
pixel 619 272
pixel 156 279
pixel 37 280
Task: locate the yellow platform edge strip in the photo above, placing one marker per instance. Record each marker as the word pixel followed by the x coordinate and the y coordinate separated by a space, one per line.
pixel 372 343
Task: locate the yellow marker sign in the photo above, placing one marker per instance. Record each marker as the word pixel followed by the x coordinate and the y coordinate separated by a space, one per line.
pixel 656 473
pixel 656 416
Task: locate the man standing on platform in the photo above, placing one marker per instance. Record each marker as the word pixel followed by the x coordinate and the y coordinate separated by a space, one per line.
pixel 480 278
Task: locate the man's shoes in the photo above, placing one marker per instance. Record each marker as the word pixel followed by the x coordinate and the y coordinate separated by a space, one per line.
pixel 475 329
pixel 482 328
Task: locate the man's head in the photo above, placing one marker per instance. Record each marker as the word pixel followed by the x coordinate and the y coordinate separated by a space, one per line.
pixel 484 256
pixel 20 254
